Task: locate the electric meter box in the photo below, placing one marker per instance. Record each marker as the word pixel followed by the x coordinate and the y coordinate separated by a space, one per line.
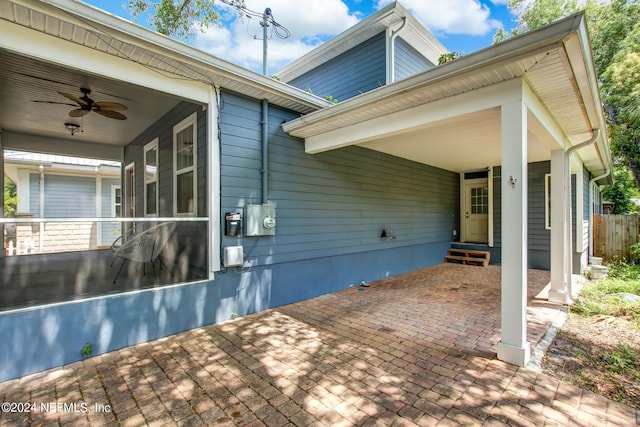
pixel 260 220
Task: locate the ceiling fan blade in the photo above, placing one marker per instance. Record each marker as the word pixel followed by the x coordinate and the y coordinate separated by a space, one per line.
pixel 112 106
pixel 54 102
pixel 79 112
pixel 111 114
pixel 74 99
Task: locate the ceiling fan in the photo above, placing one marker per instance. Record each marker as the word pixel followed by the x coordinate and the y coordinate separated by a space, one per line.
pixel 85 105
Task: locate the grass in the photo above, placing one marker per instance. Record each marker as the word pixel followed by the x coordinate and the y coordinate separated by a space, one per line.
pixel 599 347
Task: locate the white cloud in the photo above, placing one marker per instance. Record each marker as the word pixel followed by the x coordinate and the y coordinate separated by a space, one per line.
pixel 468 17
pixel 310 23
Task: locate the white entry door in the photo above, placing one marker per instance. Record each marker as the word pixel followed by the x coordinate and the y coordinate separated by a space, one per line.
pixel 476 212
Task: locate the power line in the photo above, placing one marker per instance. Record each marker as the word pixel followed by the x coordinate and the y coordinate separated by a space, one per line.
pixel 267 20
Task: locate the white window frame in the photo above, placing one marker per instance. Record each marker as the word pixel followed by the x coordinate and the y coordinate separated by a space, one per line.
pixel 192 121
pixel 148 147
pixel 114 203
pixel 547 200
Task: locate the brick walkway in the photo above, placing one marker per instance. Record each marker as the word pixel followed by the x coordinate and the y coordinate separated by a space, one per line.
pixel 417 349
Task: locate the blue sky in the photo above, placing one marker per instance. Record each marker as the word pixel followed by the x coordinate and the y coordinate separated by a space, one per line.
pixel 461 25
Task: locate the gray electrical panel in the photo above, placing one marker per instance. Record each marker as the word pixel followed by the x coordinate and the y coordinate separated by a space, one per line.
pixel 260 220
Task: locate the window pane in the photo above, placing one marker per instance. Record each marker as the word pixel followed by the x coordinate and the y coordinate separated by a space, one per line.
pixel 480 200
pixel 151 198
pixel 184 148
pixel 184 193
pixel 151 167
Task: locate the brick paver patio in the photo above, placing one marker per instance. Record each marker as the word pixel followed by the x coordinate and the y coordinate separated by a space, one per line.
pixel 418 349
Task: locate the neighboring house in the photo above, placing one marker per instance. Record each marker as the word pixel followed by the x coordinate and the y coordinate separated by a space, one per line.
pixel 482 149
pixel 55 186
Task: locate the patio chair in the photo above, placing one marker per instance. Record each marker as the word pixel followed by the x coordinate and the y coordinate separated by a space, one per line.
pixel 145 247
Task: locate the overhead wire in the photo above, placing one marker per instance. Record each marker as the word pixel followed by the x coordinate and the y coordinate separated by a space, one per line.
pixel 278 29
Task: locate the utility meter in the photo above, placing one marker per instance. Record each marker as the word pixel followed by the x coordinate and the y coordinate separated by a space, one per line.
pixel 260 220
pixel 269 222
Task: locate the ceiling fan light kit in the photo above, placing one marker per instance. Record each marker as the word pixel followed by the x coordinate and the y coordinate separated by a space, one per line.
pixel 72 128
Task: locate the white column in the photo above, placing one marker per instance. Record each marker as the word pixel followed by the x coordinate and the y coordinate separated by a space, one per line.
pixel 514 347
pixel 558 292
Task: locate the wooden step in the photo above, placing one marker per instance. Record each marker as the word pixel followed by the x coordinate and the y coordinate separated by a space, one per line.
pixel 468 256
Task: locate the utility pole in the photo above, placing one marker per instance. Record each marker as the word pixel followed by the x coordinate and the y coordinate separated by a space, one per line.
pixel 265 24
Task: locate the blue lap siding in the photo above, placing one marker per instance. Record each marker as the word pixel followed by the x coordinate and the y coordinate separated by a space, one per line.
pixel 331 209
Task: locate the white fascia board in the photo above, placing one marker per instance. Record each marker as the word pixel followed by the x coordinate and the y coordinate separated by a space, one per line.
pixel 137 35
pixel 411 118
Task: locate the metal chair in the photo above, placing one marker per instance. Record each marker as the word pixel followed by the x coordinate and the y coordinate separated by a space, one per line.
pixel 145 247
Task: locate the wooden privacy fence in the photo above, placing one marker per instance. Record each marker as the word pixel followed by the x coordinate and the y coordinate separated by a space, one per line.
pixel 613 236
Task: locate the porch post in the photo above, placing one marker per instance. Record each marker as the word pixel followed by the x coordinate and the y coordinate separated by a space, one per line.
pixel 559 268
pixel 514 347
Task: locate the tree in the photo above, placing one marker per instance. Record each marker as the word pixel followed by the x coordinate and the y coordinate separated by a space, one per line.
pixel 614 30
pixel 10 197
pixel 533 14
pixel 621 191
pixel 178 18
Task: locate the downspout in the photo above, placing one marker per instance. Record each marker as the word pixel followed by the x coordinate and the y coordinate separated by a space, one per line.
pixel 264 171
pixel 567 163
pixel 391 55
pixel 591 184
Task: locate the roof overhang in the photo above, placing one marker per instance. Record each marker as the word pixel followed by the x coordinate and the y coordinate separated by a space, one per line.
pixel 391 16
pixel 449 116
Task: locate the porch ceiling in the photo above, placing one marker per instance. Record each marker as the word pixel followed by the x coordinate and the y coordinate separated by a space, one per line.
pixel 461 144
pixel 25 80
pixel 449 116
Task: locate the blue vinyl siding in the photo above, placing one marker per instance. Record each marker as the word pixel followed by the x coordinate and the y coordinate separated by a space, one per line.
pixel 190 244
pixel 539 239
pixel 333 203
pixel 69 196
pixel 356 71
pixel 163 130
pixel 408 61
